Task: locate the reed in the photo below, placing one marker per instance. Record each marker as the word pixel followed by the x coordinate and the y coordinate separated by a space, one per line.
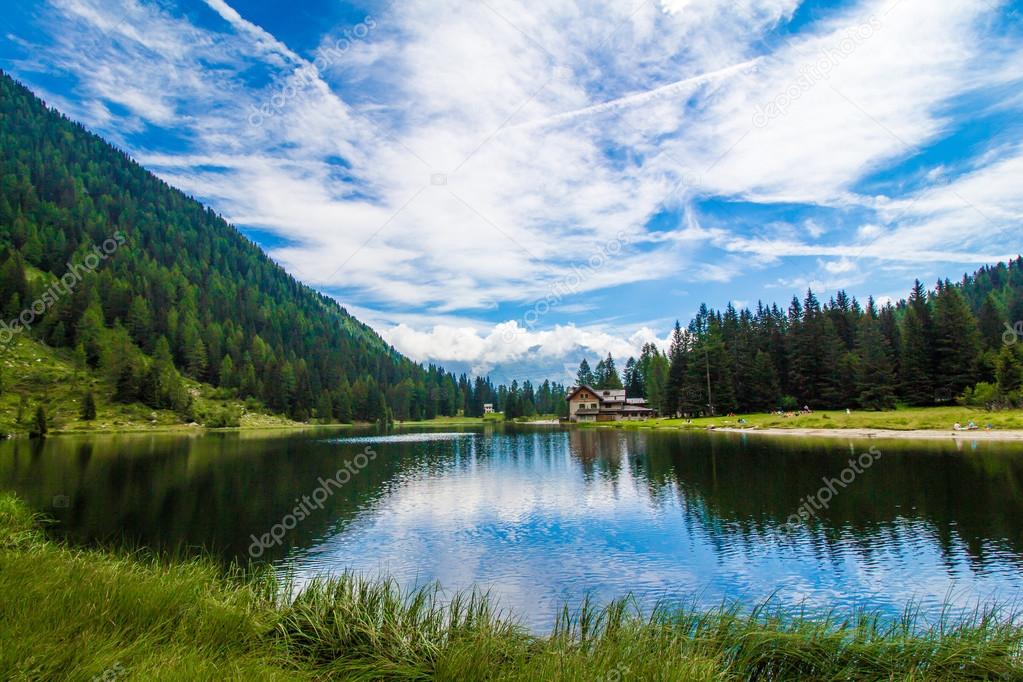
pixel 76 614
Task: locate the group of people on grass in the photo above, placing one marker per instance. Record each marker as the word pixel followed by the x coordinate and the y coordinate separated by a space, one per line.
pixel 806 410
pixel 971 426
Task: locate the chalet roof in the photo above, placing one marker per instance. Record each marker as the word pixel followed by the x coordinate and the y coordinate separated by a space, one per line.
pixel 612 395
pixel 572 393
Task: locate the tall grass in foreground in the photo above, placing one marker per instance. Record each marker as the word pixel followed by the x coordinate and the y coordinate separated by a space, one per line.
pixel 75 614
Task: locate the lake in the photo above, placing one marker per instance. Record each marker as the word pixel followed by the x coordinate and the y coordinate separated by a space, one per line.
pixel 544 516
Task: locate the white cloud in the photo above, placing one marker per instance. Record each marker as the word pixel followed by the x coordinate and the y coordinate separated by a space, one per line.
pixel 508 342
pixel 840 266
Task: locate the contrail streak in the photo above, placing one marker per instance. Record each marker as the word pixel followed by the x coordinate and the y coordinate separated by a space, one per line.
pixel 639 97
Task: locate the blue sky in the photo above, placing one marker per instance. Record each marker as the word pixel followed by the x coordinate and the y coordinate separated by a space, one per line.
pixel 506 185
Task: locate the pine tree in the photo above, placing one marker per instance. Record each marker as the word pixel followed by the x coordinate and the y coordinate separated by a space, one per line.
pixel 195 355
pixel 90 331
pixel 653 367
pixel 633 379
pixel 742 350
pixel 890 328
pixel 127 384
pixel 151 390
pixel 58 335
pixel 78 357
pixel 343 406
pixel 140 322
pixel 512 408
pixel 669 406
pixel 39 426
pixel 875 379
pixel 815 352
pixel 693 397
pixel 915 384
pixel 13 307
pixel 88 407
pixel 227 377
pixel 956 343
pixel 324 407
pixel 611 379
pixel 584 377
pixel 1009 371
pixel 991 322
pixel 383 412
pixel 13 280
pixel 600 375
pixel 764 390
pixel 798 377
pixel 1015 305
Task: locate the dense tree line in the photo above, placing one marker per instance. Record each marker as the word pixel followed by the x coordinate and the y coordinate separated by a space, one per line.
pixel 519 400
pixel 181 293
pixel 961 341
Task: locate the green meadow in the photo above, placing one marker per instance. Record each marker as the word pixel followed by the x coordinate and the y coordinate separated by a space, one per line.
pixel 903 419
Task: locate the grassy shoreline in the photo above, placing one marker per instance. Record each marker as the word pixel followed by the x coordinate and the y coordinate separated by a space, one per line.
pixel 921 419
pixel 928 422
pixel 197 429
pixel 80 614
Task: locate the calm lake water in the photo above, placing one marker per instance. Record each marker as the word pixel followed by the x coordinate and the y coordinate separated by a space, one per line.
pixel 543 516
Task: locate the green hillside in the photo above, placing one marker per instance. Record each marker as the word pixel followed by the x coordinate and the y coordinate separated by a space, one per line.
pixel 36 375
pixel 102 261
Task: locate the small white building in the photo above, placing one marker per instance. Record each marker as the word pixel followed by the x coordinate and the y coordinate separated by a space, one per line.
pixel 488 408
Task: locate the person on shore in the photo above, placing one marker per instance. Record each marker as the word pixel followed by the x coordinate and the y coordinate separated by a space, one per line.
pixel 957 427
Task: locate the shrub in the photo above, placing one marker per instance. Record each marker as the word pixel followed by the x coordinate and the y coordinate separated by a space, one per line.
pixel 228 417
pixel 981 395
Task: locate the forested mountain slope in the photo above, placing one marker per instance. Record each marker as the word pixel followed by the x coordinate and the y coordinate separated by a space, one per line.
pixel 146 285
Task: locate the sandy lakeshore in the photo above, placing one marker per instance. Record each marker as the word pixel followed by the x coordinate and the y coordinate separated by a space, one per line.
pixel 926 434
